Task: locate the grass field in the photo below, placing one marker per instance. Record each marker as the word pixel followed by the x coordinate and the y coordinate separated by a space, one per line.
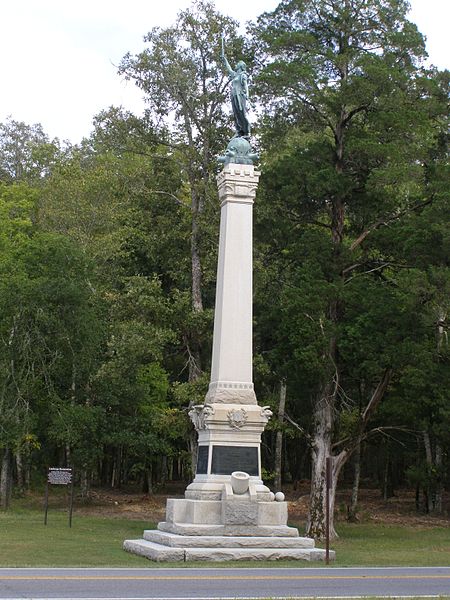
pixel 97 541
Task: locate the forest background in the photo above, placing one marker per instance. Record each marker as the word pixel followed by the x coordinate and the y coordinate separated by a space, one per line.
pixel 108 253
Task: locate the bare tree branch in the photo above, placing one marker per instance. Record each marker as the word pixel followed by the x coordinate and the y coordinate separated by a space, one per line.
pixel 299 428
pixel 386 221
pixel 177 200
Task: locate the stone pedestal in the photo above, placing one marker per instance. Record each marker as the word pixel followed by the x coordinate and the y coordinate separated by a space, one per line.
pixel 223 517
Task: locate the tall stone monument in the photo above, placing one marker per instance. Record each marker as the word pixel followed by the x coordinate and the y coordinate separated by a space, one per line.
pixel 227 512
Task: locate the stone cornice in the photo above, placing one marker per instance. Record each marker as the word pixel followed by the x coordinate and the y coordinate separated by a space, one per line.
pixel 237 183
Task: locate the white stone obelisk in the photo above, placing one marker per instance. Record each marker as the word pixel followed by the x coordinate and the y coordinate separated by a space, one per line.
pixel 230 422
pixel 231 370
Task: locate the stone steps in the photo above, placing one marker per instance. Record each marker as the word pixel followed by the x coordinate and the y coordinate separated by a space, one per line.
pixel 208 541
pixel 202 529
pixel 159 552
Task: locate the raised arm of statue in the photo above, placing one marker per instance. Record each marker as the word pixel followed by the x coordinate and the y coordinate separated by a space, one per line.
pixel 224 59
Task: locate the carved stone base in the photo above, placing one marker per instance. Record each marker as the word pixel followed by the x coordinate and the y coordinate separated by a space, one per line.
pixel 238 526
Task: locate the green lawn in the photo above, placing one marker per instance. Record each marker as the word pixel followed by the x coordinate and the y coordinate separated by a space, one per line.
pixel 97 541
pixel 391 545
pixel 91 542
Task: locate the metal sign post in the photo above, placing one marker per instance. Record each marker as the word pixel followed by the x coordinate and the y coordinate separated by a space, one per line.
pixel 328 478
pixel 57 476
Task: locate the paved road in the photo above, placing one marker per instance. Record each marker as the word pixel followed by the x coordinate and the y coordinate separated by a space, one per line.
pixel 211 584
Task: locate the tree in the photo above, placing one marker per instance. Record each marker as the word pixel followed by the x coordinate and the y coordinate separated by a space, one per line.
pixel 132 385
pixel 26 152
pixel 352 117
pixel 46 322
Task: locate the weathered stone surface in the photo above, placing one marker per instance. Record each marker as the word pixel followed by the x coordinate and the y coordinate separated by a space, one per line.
pixel 204 512
pixel 180 510
pixel 154 551
pixel 239 512
pixel 174 540
pixel 233 510
pixel 231 396
pixel 223 554
pixel 176 510
pixel 228 530
pixel 272 513
pixel 161 552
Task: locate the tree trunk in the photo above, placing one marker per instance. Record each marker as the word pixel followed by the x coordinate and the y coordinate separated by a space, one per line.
pixel 193 449
pixel 163 470
pixel 113 474
pixel 323 412
pixel 119 471
pixel 197 302
pixel 149 476
pixel 321 449
pixel 6 479
pixel 84 484
pixel 20 471
pixel 429 458
pixel 192 344
pixel 68 455
pixel 279 436
pixel 388 489
pixel 439 482
pixel 352 509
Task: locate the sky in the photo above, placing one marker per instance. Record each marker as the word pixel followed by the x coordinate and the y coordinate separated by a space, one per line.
pixel 59 57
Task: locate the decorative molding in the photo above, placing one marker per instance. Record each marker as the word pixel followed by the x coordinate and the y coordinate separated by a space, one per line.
pixel 237 183
pixel 266 413
pixel 237 418
pixel 230 392
pixel 199 414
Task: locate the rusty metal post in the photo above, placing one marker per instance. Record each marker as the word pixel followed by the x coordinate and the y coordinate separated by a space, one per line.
pixel 328 478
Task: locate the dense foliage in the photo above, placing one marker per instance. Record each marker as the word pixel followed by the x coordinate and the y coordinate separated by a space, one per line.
pixel 108 254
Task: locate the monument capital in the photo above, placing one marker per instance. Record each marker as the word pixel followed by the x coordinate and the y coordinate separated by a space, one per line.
pixel 238 183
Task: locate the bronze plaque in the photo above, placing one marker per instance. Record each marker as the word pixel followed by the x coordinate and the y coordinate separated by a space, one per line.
pixel 202 460
pixel 226 459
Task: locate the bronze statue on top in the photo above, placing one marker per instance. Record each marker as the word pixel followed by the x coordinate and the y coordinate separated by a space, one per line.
pixel 239 149
pixel 239 94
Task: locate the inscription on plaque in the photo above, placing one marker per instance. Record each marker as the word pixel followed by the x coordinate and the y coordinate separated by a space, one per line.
pixel 202 460
pixel 226 459
pixel 59 476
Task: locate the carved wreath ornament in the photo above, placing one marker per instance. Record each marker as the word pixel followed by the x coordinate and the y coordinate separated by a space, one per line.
pixel 237 418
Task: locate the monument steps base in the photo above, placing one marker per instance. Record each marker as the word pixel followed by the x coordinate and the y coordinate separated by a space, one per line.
pixel 160 552
pixel 200 529
pixel 210 541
